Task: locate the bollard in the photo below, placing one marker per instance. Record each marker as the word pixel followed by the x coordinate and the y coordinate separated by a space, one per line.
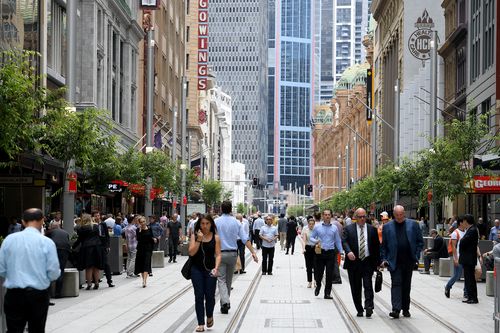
pixel 71 284
pixel 435 267
pixel 490 283
pixel 158 259
pixel 444 267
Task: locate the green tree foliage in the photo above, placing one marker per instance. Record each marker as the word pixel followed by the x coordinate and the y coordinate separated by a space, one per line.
pixel 294 210
pixel 241 208
pixel 23 105
pixel 212 192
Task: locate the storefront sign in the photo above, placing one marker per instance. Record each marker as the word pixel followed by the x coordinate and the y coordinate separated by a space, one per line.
pixel 486 184
pixel 202 44
pixel 150 4
pixel 7 180
pixel 114 188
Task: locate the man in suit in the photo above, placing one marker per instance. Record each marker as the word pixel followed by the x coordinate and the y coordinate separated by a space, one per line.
pixel 360 242
pixel 438 250
pixel 402 243
pixel 468 257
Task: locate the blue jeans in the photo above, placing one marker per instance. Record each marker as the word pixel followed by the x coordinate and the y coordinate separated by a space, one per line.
pixel 457 273
pixel 204 293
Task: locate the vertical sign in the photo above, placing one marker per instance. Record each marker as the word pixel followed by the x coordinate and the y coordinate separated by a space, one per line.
pixel 369 94
pixel 202 44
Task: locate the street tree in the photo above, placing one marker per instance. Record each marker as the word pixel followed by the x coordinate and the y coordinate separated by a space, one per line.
pixel 212 191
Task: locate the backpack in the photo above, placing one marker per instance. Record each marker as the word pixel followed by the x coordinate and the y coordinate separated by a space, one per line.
pixel 450 247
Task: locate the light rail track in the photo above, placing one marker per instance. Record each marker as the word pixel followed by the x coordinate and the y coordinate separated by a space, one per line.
pixel 347 317
pixel 134 326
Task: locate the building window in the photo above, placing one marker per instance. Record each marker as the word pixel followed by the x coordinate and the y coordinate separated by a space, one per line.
pixel 56 37
pixel 488 34
pixel 475 64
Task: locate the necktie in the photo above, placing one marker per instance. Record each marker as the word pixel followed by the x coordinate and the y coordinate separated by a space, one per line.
pixel 362 250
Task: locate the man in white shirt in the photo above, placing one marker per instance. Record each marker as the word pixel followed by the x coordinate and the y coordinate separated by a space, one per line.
pixel 110 221
pixel 268 235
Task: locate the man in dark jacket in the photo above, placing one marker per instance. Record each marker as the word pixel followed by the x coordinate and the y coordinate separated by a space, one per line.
pixel 402 243
pixel 61 238
pixel 362 247
pixel 105 244
pixel 437 251
pixel 468 257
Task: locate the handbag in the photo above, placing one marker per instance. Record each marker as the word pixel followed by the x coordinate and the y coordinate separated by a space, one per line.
pixel 186 269
pixel 378 281
pixel 478 271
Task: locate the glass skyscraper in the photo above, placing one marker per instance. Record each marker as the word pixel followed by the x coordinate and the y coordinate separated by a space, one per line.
pixel 238 57
pixel 290 92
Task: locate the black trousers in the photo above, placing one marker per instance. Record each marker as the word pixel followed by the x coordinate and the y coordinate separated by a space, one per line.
pixel 107 269
pixel 63 256
pixel 322 262
pixel 173 242
pixel 241 253
pixel 267 259
pixel 360 276
pixel 401 287
pixel 427 259
pixel 470 281
pixel 290 242
pixel 309 257
pixel 258 241
pixel 23 306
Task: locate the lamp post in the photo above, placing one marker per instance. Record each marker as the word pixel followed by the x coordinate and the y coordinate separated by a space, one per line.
pixel 433 111
pixel 148 204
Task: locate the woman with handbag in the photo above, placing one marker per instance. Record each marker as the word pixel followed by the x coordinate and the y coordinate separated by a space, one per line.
pixel 205 255
pixel 145 244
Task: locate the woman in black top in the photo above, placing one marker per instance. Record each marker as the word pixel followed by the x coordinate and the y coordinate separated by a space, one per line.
pixel 90 255
pixel 291 233
pixel 145 244
pixel 204 249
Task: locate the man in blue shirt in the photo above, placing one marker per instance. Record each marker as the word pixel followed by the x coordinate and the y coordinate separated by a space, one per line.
pixel 268 235
pixel 327 236
pixel 494 231
pixel 229 229
pixel 28 262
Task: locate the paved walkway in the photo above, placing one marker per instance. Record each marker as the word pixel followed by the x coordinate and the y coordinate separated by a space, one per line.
pixel 278 303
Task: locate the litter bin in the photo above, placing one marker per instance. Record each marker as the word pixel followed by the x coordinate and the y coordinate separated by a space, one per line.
pixel 115 255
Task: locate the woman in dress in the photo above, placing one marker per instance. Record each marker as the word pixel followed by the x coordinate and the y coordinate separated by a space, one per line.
pixel 90 256
pixel 204 250
pixel 145 244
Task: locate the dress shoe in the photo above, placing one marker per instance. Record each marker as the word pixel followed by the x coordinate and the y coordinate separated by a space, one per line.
pixel 224 309
pixel 263 273
pixel 337 282
pixel 110 284
pixel 52 304
pixel 369 313
pixel 235 272
pixel 406 313
pixel 175 261
pixel 151 274
pixel 170 260
pixel 360 314
pixel 465 300
pixel 447 292
pixel 96 286
pixel 242 271
pixel 328 297
pixel 394 314
pixel 471 301
pixel 425 272
pixel 89 286
pixel 269 273
pixel 316 290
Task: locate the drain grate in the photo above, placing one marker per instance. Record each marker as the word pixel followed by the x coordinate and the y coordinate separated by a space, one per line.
pixel 292 323
pixel 285 301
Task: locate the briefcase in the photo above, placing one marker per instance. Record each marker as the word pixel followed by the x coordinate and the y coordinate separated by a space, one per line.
pixel 378 281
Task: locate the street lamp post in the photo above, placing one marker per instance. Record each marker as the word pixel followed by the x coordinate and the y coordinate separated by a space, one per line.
pixel 148 204
pixel 433 110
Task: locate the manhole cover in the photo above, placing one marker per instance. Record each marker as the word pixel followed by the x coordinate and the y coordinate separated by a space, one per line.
pixel 293 323
pixel 285 301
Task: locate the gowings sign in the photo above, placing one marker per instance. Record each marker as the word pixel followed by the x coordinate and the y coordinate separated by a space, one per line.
pixel 419 42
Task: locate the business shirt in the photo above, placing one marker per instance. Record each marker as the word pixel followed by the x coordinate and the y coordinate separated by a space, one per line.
pixel 258 223
pixel 28 259
pixel 117 230
pixel 229 229
pixel 131 237
pixel 328 235
pixel 156 229
pixel 365 232
pixel 246 227
pixel 268 232
pixel 494 233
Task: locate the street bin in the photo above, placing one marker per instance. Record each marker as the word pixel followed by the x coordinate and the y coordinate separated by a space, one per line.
pixel 444 267
pixel 71 284
pixel 158 259
pixel 115 255
pixel 490 283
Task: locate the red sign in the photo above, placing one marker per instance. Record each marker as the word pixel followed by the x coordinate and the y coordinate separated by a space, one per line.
pixel 486 184
pixel 72 186
pixel 202 44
